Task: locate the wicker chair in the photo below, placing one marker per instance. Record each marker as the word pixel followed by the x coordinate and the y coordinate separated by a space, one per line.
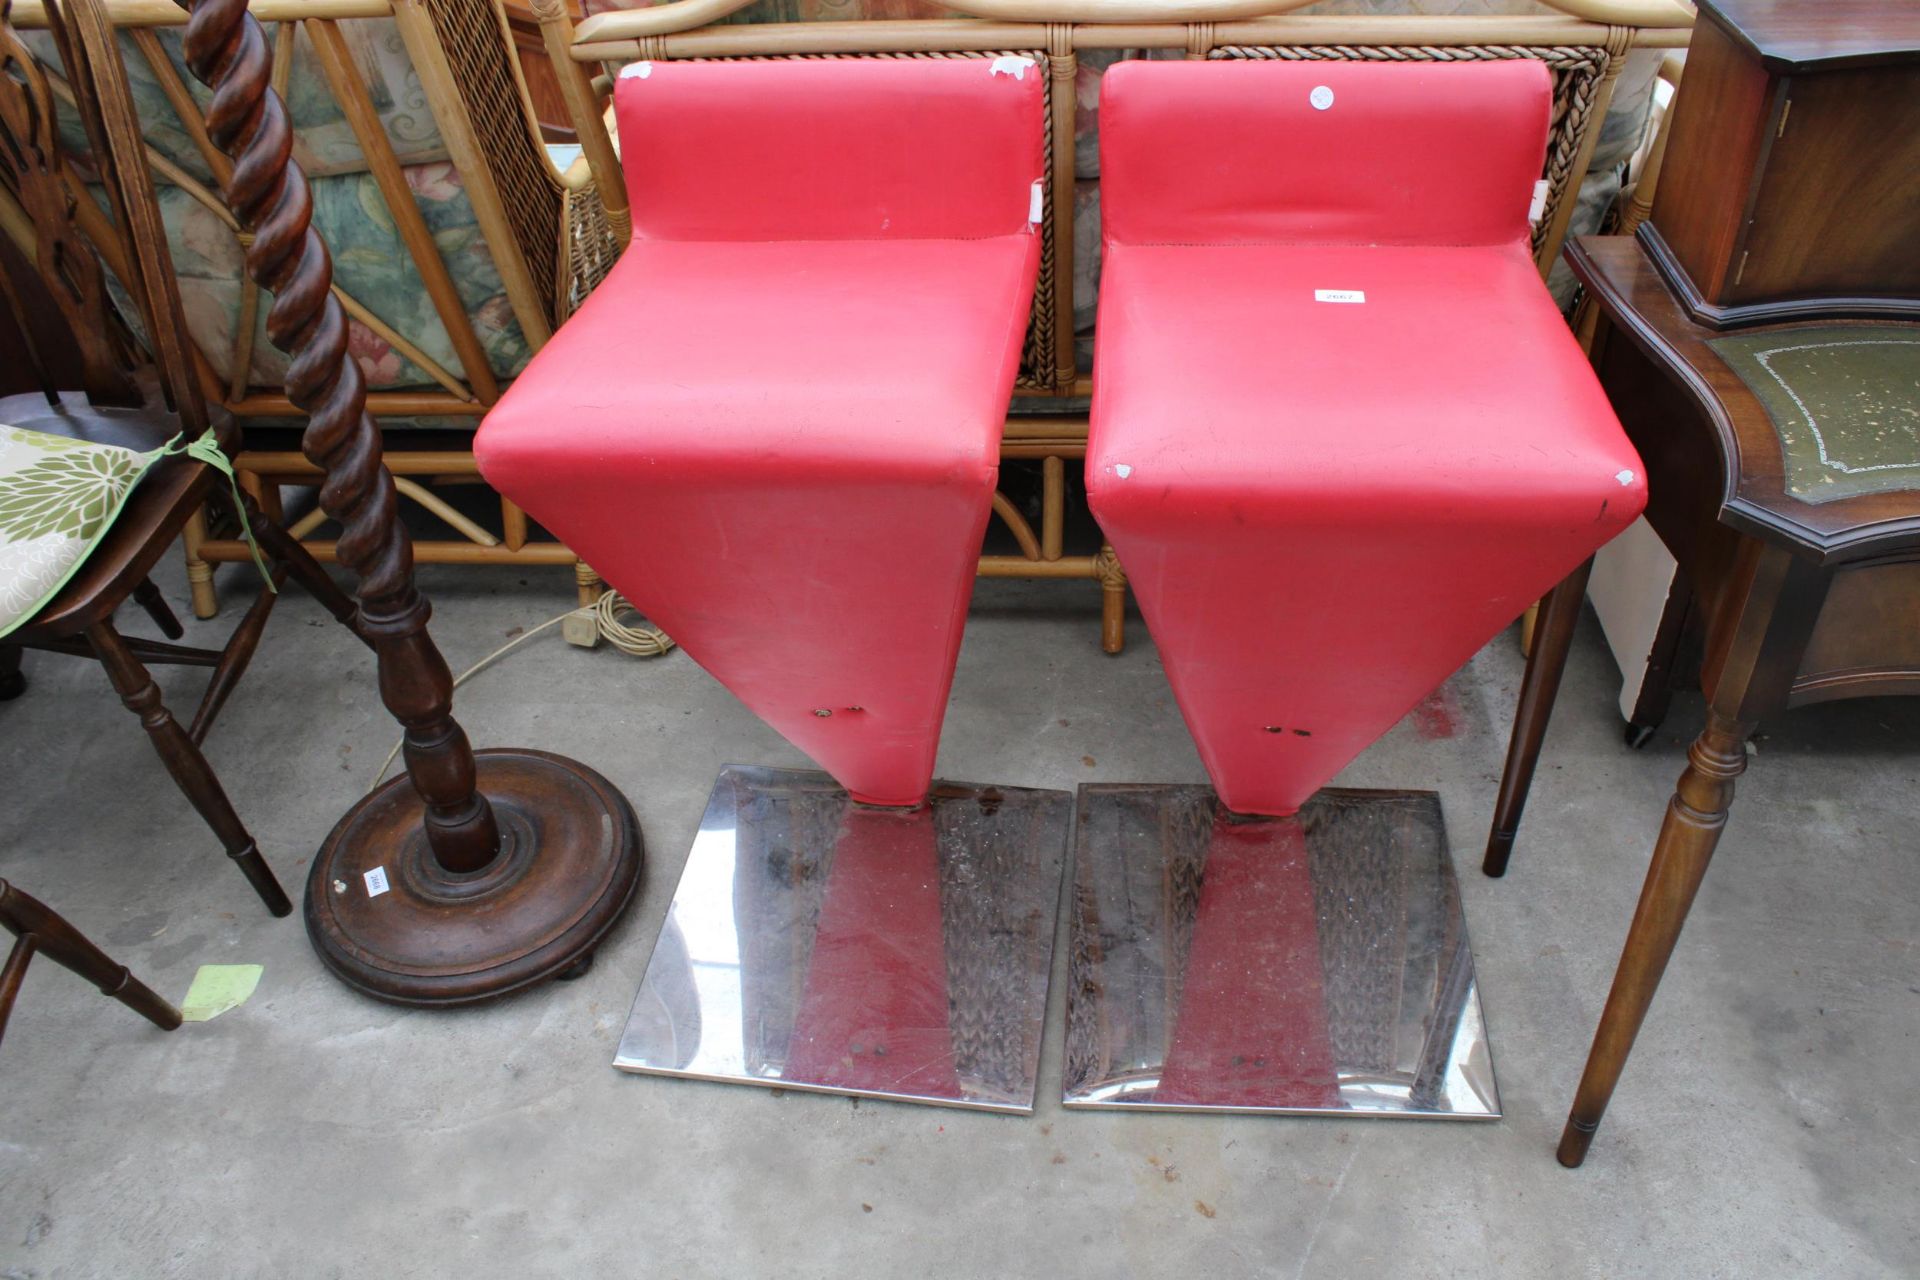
pixel 458 246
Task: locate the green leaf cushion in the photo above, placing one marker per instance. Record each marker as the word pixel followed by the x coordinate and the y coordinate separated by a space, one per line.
pixel 58 498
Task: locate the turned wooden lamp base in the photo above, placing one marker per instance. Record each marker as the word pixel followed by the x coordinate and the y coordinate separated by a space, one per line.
pixel 391 923
pixel 548 852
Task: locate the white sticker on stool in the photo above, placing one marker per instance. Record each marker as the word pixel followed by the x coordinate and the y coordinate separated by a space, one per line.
pixel 1624 477
pixel 1036 202
pixel 641 70
pixel 1541 190
pixel 1122 470
pixel 1011 65
pixel 1321 97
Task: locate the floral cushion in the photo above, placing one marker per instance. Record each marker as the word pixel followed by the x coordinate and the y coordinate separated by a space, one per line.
pixel 58 496
pixel 370 262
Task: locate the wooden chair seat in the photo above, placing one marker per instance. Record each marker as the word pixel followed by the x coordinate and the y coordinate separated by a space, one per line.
pixel 155 513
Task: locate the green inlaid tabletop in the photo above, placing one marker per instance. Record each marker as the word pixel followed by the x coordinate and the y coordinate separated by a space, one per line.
pixel 1845 402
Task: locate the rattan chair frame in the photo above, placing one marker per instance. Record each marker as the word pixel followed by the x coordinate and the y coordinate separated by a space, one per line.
pixel 545 234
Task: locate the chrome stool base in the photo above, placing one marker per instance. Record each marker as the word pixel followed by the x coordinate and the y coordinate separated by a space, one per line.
pixel 1308 965
pixel 814 943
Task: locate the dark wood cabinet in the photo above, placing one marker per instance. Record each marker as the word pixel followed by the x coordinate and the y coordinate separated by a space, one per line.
pixel 536 69
pixel 1792 177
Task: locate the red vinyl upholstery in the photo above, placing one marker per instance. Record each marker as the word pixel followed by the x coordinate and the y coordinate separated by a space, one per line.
pixel 1326 506
pixel 775 427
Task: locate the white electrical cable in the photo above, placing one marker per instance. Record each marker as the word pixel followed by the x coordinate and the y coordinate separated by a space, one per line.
pixel 641 642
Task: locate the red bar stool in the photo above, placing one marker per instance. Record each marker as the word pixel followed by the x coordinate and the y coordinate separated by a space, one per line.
pixel 775 428
pixel 1341 437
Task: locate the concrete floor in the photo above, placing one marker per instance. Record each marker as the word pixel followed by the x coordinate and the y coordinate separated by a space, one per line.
pixel 1765 1126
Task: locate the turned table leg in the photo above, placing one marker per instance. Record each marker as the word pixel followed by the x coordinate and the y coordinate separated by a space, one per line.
pixel 1767 611
pixel 1546 663
pixel 1695 817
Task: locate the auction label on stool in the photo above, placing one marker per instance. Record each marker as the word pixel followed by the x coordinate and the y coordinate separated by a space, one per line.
pixel 376 882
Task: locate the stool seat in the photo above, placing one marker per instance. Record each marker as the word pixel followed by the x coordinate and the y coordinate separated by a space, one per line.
pixel 789 359
pixel 775 426
pixel 1218 360
pixel 1334 458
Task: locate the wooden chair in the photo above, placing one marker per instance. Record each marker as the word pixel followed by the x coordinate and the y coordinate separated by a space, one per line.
pixel 38 930
pixel 66 321
pixel 458 246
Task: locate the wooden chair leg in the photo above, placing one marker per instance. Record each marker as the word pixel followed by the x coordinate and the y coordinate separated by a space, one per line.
pixel 283 547
pixel 40 930
pixel 199 573
pixel 11 976
pixel 589 584
pixel 12 683
pixel 1538 689
pixel 183 760
pixel 234 658
pixel 1113 601
pixel 269 499
pixel 1695 818
pixel 148 597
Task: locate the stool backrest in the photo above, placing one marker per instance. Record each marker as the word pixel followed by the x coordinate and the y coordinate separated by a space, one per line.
pixel 847 149
pixel 1589 48
pixel 1322 152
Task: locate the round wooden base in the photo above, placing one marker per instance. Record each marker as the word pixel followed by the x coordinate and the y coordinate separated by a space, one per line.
pixel 393 925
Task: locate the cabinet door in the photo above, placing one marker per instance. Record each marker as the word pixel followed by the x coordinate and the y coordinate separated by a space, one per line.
pixel 1836 209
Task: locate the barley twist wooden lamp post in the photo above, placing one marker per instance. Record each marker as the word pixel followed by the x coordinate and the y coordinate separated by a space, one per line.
pixel 478 873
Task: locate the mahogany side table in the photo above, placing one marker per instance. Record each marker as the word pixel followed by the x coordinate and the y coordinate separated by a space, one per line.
pixel 1783 466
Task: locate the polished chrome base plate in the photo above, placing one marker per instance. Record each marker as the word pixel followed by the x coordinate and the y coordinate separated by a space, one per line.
pixel 1308 965
pixel 818 944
